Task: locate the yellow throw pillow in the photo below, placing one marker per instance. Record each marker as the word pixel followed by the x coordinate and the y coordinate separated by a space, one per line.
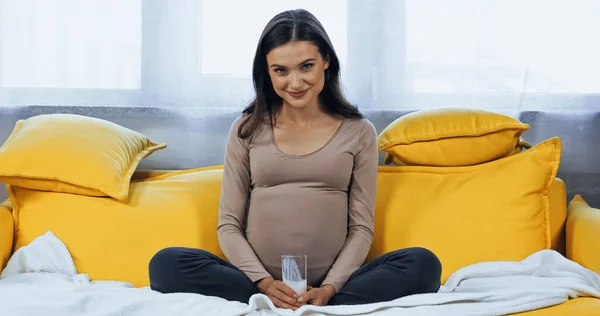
pixel 521 145
pixel 115 240
pixel 73 154
pixel 493 211
pixel 450 137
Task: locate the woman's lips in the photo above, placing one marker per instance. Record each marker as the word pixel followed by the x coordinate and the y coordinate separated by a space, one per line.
pixel 298 94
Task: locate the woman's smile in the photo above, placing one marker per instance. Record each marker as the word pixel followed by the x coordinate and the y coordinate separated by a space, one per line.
pixel 298 94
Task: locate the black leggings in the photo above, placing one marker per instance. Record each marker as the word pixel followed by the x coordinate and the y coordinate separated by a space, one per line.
pixel 395 274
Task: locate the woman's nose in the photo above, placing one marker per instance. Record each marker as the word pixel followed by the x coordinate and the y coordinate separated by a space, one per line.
pixel 295 81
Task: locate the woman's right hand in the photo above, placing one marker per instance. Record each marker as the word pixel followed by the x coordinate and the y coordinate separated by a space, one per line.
pixel 280 294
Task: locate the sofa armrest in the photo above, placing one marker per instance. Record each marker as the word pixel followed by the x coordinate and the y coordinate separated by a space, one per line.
pixel 583 234
pixel 6 233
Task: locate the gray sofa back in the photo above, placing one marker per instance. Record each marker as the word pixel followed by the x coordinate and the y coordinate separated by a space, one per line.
pixel 196 136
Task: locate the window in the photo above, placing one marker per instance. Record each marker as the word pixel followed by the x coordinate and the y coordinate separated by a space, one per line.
pixel 508 46
pixel 91 44
pixel 394 54
pixel 229 37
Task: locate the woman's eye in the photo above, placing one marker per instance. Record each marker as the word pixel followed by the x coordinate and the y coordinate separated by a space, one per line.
pixel 307 66
pixel 279 70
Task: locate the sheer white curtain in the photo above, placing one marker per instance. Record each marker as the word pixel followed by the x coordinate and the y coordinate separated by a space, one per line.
pixel 395 54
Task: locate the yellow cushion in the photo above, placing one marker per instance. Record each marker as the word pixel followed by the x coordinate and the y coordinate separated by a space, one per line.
pixel 493 211
pixel 158 175
pixel 451 137
pixel 141 175
pixel 115 240
pixel 73 154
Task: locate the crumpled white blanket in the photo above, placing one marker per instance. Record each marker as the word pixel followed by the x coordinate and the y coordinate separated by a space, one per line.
pixel 41 279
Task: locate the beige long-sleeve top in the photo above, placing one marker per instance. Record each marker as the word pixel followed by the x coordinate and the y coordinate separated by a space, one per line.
pixel 320 204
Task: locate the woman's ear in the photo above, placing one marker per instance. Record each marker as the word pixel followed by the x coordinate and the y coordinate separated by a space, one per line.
pixel 325 62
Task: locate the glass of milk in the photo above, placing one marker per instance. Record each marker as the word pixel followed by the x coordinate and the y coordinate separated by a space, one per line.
pixel 293 272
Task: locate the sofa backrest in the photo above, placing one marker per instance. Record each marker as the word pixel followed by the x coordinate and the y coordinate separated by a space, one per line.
pixel 196 136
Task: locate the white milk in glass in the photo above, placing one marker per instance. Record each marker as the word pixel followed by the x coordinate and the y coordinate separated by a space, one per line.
pixel 293 272
pixel 298 286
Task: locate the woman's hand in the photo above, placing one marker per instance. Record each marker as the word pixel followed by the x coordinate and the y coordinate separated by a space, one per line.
pixel 280 294
pixel 318 296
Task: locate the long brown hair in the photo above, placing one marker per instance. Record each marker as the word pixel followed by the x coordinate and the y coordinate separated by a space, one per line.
pixel 287 26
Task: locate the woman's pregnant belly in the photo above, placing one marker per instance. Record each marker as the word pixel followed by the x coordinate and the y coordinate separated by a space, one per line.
pixel 297 219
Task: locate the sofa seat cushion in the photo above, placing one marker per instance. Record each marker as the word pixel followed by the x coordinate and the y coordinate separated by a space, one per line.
pixel 583 306
pixel 115 240
pixel 465 215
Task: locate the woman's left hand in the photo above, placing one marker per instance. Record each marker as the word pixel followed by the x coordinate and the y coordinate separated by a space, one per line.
pixel 318 296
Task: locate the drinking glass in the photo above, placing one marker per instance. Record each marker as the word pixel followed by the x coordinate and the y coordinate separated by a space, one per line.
pixel 293 272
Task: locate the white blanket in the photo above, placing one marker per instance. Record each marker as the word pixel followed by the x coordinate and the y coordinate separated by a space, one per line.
pixel 41 279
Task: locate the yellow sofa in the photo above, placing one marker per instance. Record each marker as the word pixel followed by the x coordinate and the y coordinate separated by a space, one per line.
pixel 501 205
pixel 573 231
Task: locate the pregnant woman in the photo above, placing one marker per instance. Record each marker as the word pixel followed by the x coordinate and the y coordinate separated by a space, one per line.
pixel 300 176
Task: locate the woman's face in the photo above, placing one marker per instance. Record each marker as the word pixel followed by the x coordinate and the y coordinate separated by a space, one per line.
pixel 297 71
